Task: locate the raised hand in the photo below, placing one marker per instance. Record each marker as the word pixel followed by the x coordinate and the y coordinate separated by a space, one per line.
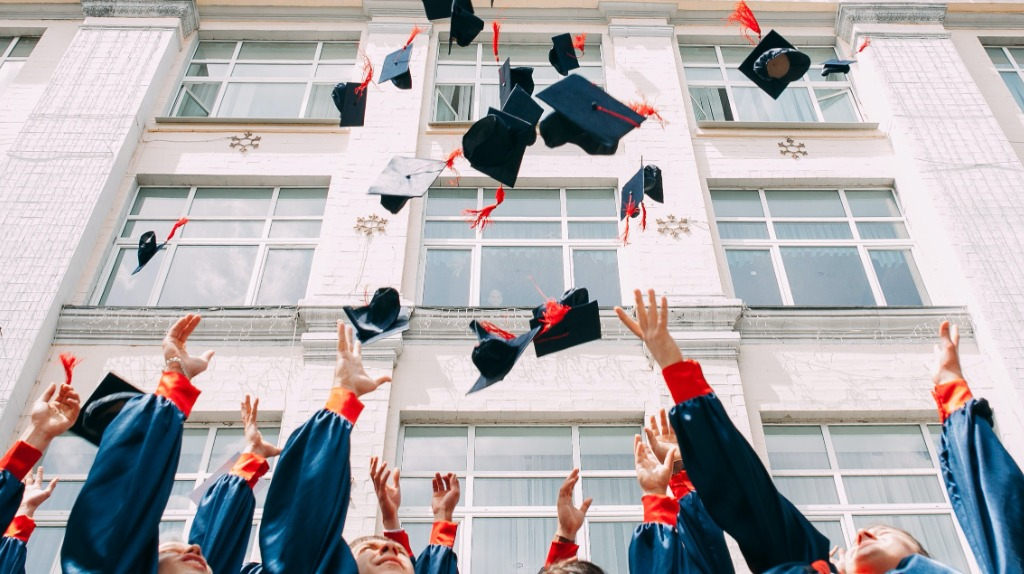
pixel 176 357
pixel 389 496
pixel 52 414
pixel 253 437
pixel 446 496
pixel 570 518
pixel 35 494
pixel 947 355
pixel 653 475
pixel 661 437
pixel 349 372
pixel 651 325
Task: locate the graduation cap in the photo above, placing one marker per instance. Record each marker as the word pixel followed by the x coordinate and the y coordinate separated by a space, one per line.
pixel 403 179
pixel 103 406
pixel 466 25
pixel 586 116
pixel 350 103
pixel 382 317
pixel 509 78
pixel 572 320
pixel 396 69
pixel 632 196
pixel 654 187
pixel 836 67
pixel 497 352
pixel 522 106
pixel 563 54
pixel 774 63
pixel 440 9
pixel 495 145
pixel 148 246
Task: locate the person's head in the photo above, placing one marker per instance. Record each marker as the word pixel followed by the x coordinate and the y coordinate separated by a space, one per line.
pixel 181 558
pixel 572 566
pixel 377 555
pixel 879 549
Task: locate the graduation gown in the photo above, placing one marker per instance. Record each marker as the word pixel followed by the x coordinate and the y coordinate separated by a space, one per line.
pixel 13 550
pixel 114 524
pixel 14 467
pixel 438 557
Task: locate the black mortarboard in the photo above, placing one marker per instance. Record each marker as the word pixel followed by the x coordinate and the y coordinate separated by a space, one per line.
pixel 465 26
pixel 509 78
pixel 563 55
pixel 403 179
pixel 586 116
pixel 439 9
pixel 102 407
pixel 495 145
pixel 396 68
pixel 383 316
pixel 654 188
pixel 148 246
pixel 495 355
pixel 522 106
pixel 581 324
pixel 788 64
pixel 836 67
pixel 632 192
pixel 351 105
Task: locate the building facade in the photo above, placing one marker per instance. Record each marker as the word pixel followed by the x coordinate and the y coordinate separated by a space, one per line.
pixel 808 247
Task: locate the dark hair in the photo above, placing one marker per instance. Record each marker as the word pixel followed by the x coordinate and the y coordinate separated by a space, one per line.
pixel 572 566
pixel 915 541
pixel 373 537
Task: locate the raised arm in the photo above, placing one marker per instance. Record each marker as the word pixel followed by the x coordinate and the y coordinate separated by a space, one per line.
pixel 656 546
pixel 13 551
pixel 438 557
pixel 985 485
pixel 570 520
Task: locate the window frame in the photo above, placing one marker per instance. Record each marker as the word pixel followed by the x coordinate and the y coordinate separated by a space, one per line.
pixel 864 246
pixel 1015 66
pixel 6 57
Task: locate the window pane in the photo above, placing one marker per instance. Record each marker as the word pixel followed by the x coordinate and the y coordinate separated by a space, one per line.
pixel 511 276
pixel 434 448
pixel 136 227
pixel 193 443
pixel 934 531
pixel 882 230
pixel 207 70
pixel 129 290
pixel 1018 56
pixel 301 202
pixel 1015 85
pixel 24 47
pixel 813 230
pixel 598 271
pixel 222 229
pixel 590 202
pixel 214 51
pixel 935 432
pixel 818 54
pixel 333 72
pixel 807 490
pixel 172 530
pixel 743 230
pixel 196 99
pixel 320 104
pixel 794 105
pixel 446 281
pixel 68 454
pixel 711 104
pixel 827 276
pixel 277 51
pixel 753 277
pixel 607 448
pixel 523 230
pixel 698 54
pixel 285 276
pixel 879 446
pixel 44 549
pixel 179 499
pixel 225 271
pixel 998 57
pixel 523 448
pixel 609 544
pixel 160 201
pixel 511 544
pixel 64 496
pixel 516 491
pixel 832 530
pixel 836 105
pixel 448 230
pixel 805 204
pixel 872 203
pixel 490 97
pixel 612 491
pixel 251 100
pixel 419 491
pixel 453 103
pixel 737 204
pixel 795 448
pixel 295 229
pixel 593 230
pixel 419 535
pixel 451 201
pixel 339 51
pixel 226 443
pixel 893 489
pixel 700 74
pixel 272 70
pixel 898 276
pixel 232 201
pixel 529 203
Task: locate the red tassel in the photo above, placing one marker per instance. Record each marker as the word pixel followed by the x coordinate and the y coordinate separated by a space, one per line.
pixel 743 16
pixel 367 76
pixel 177 224
pixel 482 217
pixel 630 211
pixel 554 312
pixel 645 109
pixel 412 36
pixel 579 42
pixel 449 163
pixel 821 567
pixel 864 44
pixel 615 114
pixel 70 362
pixel 496 330
pixel 643 217
pixel 497 32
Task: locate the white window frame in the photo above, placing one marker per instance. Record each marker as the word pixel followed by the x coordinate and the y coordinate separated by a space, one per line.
pixel 475 244
pixel 264 243
pixel 1015 65
pixel 6 57
pixel 816 81
pixel 465 513
pixel 773 244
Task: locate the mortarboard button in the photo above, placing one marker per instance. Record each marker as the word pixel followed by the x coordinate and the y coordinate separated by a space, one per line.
pixel 774 63
pixel 350 104
pixel 382 317
pixel 654 187
pixel 581 324
pixel 836 67
pixel 496 353
pixel 396 68
pixel 465 25
pixel 585 115
pixel 509 78
pixel 563 55
pixel 103 406
pixel 632 194
pixel 403 179
pixel 496 143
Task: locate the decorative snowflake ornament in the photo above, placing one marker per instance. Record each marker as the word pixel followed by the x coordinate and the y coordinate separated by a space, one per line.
pixel 246 142
pixel 792 149
pixel 371 225
pixel 674 226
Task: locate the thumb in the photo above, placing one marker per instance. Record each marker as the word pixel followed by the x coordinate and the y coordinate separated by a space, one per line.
pixel 586 505
pixel 381 380
pixel 207 356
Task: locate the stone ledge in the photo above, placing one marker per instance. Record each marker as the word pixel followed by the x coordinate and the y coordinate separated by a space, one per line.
pixel 906 324
pixel 184 10
pixel 851 13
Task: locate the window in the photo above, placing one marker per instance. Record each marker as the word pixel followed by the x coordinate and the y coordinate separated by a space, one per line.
pixel 264 79
pixel 242 246
pixel 1010 64
pixel 547 239
pixel 832 248
pixel 721 93
pixel 14 51
pixel 847 477
pixel 203 451
pixel 466 82
pixel 510 476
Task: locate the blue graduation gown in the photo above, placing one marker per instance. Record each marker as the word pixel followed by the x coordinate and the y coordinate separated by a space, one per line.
pixel 15 465
pixel 696 545
pixel 438 557
pixel 223 523
pixel 13 554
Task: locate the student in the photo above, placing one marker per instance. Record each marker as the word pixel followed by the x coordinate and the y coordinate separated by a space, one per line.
pixel 13 551
pixel 736 488
pixel 562 553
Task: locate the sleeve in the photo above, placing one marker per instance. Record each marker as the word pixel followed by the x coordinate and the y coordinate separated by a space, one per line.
pixel 734 485
pixel 13 554
pixel 985 485
pixel 656 546
pixel 308 499
pixel 703 541
pixel 439 557
pixel 402 537
pixel 14 466
pixel 561 551
pixel 114 524
pixel 223 521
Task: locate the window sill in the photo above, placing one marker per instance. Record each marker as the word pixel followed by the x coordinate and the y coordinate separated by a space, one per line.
pixel 250 121
pixel 788 126
pixel 454 128
pixel 905 324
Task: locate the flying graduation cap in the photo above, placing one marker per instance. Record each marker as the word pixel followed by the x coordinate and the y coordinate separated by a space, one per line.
pixel 102 407
pixel 774 62
pixel 840 66
pixel 381 317
pixel 465 25
pixel 350 98
pixel 509 78
pixel 562 55
pixel 585 115
pixel 648 181
pixel 396 64
pixel 405 178
pixel 148 246
pixel 496 352
pixel 571 320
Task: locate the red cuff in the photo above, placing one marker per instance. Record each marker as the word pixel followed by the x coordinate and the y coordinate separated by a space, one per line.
pixel 680 485
pixel 685 380
pixel 21 528
pixel 443 533
pixel 951 396
pixel 560 551
pixel 660 508
pixel 251 467
pixel 20 459
pixel 176 388
pixel 401 537
pixel 345 403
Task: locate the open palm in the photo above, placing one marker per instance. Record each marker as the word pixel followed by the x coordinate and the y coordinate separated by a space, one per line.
pixel 174 346
pixel 349 371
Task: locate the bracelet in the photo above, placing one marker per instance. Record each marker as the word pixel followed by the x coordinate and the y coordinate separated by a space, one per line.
pixel 181 365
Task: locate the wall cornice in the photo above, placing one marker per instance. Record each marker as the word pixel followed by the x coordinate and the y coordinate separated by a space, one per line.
pixel 37 11
pixel 183 10
pixel 852 13
pixel 908 325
